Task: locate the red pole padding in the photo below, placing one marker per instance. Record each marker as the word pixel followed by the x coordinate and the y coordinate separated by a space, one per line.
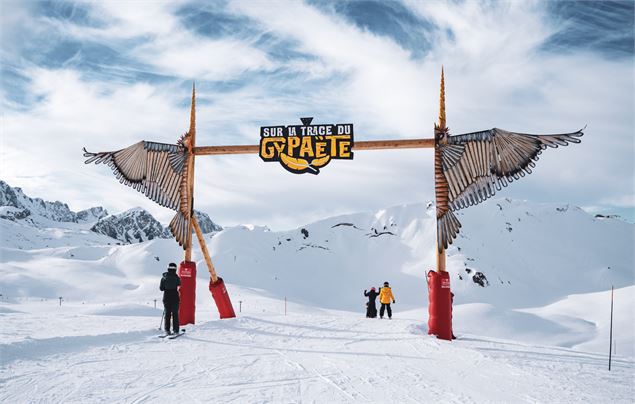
pixel 221 297
pixel 187 292
pixel 440 308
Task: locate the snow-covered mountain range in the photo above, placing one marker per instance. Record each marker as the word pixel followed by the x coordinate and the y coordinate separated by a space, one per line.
pixel 133 226
pixel 15 205
pixel 512 260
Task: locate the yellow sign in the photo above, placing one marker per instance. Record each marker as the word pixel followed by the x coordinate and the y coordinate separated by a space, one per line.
pixel 306 148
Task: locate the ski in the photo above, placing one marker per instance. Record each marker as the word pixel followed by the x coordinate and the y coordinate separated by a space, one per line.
pixel 171 336
pixel 177 335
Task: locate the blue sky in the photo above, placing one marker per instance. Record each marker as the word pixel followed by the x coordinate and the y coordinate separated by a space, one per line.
pixel 107 74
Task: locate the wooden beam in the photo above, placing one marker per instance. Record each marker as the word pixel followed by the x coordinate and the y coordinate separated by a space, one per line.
pixel 217 150
pixel 394 144
pixel 201 242
pixel 360 145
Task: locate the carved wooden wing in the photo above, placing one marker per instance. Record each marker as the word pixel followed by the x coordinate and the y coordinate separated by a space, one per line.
pixel 159 171
pixel 478 164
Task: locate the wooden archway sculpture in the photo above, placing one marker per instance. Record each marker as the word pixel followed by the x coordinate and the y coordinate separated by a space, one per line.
pixel 469 169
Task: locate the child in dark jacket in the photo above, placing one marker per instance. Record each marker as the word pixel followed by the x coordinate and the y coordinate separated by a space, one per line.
pixel 371 308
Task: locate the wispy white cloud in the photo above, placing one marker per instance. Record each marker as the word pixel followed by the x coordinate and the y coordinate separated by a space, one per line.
pixel 496 75
pixel 163 43
pixel 383 89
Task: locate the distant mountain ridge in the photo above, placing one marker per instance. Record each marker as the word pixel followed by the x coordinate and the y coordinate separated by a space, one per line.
pixel 133 226
pixel 27 207
pixel 137 225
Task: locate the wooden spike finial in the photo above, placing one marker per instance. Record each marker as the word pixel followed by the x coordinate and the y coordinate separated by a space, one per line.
pixel 192 130
pixel 442 101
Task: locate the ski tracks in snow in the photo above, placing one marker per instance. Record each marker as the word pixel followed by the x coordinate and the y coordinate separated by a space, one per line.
pixel 336 358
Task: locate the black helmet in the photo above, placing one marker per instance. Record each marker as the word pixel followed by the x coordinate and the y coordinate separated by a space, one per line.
pixel 385 283
pixel 172 267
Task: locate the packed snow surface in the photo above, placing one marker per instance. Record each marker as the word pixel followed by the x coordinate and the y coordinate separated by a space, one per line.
pixel 60 354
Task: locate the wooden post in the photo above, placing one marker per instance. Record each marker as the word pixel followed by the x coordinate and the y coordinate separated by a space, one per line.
pixel 201 241
pixel 441 260
pixel 190 174
pixel 441 194
pixel 440 183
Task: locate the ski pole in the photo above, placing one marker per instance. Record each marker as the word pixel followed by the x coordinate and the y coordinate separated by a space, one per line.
pixel 611 332
pixel 161 323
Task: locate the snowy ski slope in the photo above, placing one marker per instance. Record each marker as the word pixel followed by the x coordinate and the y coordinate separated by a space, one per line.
pixel 536 331
pixel 310 355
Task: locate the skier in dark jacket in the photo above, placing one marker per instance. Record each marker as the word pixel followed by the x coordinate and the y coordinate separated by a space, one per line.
pixel 169 285
pixel 371 308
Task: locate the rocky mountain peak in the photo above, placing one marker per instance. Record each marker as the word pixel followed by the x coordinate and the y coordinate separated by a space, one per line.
pixel 34 209
pixel 206 224
pixel 136 225
pixel 132 226
pixel 92 214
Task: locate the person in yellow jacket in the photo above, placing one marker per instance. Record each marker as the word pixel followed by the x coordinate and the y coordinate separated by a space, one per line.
pixel 385 296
